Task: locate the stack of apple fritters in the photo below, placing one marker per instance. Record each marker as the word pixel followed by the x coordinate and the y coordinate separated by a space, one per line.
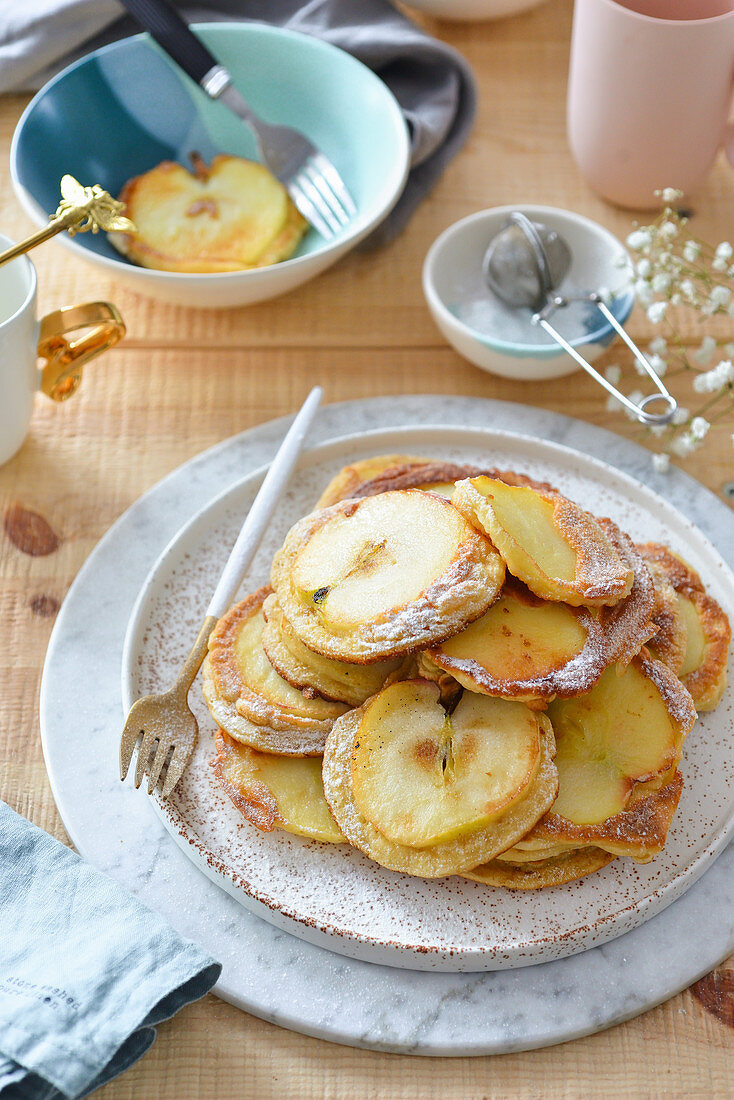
pixel 460 671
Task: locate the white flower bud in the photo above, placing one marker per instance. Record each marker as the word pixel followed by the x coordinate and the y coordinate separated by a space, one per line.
pixel 658 364
pixel 711 381
pixel 656 312
pixel 683 445
pixel 699 427
pixel 706 350
pixel 643 292
pixel 661 463
pixel 705 383
pixel 639 239
pixel 719 295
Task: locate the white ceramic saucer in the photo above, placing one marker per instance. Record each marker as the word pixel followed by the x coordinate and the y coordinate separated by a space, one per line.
pixel 277 976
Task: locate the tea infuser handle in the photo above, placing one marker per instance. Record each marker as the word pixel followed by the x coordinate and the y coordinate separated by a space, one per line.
pixel 639 356
pixel 557 301
pixel 640 411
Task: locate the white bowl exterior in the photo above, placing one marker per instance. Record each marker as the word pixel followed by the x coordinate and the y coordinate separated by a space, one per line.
pixel 465 10
pixel 208 292
pixel 458 241
pixel 522 368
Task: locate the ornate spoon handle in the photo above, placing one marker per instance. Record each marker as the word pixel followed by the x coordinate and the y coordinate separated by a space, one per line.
pixel 80 209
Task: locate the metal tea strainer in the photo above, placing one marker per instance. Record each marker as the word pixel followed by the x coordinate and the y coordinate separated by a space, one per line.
pixel 523 265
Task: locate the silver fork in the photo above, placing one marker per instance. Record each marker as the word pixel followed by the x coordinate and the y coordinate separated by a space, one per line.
pixel 307 174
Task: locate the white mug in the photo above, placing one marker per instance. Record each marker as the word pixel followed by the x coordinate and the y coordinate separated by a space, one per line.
pixel 24 340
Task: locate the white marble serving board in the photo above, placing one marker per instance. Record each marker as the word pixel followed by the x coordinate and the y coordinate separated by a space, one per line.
pixel 337 998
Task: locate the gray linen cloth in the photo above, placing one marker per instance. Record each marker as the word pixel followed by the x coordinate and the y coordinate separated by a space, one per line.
pixel 86 970
pixel 431 81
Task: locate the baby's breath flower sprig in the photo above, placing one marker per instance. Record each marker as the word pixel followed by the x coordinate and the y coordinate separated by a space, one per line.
pixel 674 269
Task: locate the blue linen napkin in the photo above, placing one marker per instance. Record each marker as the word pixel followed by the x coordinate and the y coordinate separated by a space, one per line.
pixel 431 81
pixel 86 970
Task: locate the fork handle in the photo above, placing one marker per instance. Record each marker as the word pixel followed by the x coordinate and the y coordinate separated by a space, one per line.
pixel 195 659
pixel 263 506
pixel 165 25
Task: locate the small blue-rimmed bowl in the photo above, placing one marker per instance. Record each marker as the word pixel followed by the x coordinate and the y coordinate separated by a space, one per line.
pixel 503 340
pixel 125 108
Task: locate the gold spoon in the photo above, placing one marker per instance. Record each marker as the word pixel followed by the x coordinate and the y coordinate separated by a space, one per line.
pixel 81 209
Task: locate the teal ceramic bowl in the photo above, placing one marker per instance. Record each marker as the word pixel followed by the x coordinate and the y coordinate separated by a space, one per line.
pixel 124 108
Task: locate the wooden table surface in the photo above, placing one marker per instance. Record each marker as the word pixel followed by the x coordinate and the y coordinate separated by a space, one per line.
pixel 185 379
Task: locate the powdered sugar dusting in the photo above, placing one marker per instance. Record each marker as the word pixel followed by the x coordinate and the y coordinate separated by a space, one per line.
pixel 577 675
pixel 675 696
pixel 462 592
pixel 628 625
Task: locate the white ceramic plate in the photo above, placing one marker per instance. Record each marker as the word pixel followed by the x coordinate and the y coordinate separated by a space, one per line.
pixel 334 896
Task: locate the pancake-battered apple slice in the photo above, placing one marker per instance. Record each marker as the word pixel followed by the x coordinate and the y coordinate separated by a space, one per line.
pixel 228 216
pixel 538 874
pixel 526 648
pixel 283 792
pixel 639 831
pixel 249 700
pixel 547 541
pixel 422 776
pixel 669 642
pixel 368 580
pixel 307 670
pixel 706 628
pixel 348 482
pixel 430 793
pixel 628 729
pixel 382 473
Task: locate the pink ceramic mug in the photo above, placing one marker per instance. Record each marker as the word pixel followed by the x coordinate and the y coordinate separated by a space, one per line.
pixel 649 93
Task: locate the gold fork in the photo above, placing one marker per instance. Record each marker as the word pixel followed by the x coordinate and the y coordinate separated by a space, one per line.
pixel 164 724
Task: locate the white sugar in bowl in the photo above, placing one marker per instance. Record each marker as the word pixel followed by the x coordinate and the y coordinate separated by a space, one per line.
pixel 503 340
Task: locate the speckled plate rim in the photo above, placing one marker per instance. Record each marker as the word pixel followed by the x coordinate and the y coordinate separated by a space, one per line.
pixel 397 952
pixel 346 1001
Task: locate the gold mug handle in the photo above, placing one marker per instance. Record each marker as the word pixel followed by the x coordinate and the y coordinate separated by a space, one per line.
pixel 65 359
